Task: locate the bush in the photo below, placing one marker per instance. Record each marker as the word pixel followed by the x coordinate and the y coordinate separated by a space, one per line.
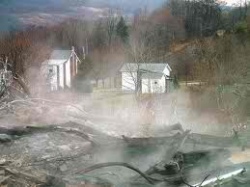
pixel 241 27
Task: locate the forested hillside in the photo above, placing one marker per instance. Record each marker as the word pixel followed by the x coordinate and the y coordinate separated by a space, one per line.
pixel 19 14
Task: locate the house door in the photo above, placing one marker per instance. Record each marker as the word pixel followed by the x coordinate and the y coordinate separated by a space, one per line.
pixel 156 86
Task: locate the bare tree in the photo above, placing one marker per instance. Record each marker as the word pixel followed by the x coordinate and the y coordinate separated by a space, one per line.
pixel 112 19
pixel 139 53
pixel 222 65
pixel 25 50
pixel 73 32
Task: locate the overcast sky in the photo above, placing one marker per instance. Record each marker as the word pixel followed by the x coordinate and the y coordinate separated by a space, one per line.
pixel 234 2
pixel 18 12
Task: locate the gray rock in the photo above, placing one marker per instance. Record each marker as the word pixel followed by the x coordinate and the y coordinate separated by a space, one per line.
pixel 5 138
pixel 63 168
pixel 2 172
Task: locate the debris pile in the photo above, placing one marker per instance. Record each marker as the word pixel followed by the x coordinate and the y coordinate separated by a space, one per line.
pixel 72 154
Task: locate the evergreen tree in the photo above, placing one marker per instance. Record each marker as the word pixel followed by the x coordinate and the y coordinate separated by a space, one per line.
pixel 122 30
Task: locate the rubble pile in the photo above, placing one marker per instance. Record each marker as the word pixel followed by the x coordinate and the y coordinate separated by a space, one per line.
pixel 70 152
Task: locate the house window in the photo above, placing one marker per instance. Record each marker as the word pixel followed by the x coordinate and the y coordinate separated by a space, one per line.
pixel 50 72
pixel 156 82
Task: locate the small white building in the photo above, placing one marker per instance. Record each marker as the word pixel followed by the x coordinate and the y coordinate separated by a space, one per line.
pixel 61 68
pixel 146 77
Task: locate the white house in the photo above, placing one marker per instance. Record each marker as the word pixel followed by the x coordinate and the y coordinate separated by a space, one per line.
pixel 146 77
pixel 60 69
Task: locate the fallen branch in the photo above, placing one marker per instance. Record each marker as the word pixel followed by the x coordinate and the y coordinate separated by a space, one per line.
pixel 57 159
pixel 20 81
pixel 8 105
pixel 189 185
pixel 176 142
pixel 110 164
pixel 167 140
pixel 16 133
pixel 21 174
pixel 148 178
pixel 32 100
pixel 58 102
pixel 29 179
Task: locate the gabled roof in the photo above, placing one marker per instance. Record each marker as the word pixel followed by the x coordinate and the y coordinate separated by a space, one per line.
pixel 59 57
pixel 61 54
pixel 147 67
